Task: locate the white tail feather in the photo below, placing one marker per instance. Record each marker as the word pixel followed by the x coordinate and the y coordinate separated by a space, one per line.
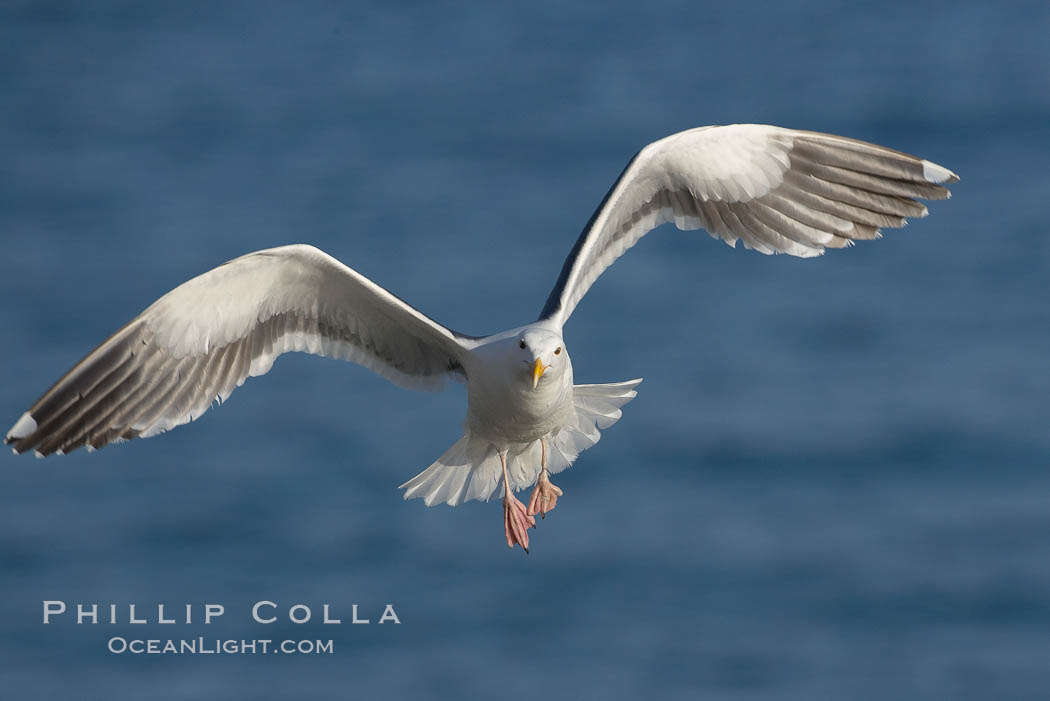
pixel 471 468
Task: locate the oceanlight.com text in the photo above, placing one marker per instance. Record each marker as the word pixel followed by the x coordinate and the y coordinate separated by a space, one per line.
pixel 216 646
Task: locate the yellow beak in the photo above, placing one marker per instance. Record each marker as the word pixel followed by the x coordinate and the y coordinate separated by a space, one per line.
pixel 537 372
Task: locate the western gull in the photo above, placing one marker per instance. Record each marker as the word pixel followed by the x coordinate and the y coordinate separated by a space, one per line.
pixel 776 190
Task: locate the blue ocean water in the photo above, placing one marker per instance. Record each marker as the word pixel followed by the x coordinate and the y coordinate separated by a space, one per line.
pixel 833 482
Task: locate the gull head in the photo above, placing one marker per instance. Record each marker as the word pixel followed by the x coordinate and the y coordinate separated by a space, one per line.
pixel 542 354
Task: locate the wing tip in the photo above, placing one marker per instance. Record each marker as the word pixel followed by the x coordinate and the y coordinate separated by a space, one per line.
pixel 24 427
pixel 938 174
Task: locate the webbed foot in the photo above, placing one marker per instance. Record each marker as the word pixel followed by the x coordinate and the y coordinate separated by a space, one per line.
pixel 544 496
pixel 516 522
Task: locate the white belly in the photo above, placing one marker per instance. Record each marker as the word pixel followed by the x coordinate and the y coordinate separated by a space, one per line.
pixel 505 410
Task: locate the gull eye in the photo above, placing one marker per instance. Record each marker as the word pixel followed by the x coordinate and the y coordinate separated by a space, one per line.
pixel 522 343
pixel 557 350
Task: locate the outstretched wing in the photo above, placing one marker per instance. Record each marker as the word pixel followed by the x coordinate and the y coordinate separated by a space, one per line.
pixel 777 190
pixel 204 338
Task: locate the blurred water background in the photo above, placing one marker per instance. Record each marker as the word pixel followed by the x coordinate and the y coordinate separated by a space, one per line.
pixel 833 483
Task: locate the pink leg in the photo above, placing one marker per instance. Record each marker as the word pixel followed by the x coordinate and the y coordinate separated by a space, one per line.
pixel 545 496
pixel 516 522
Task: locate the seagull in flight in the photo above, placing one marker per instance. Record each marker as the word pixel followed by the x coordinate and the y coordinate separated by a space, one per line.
pixel 776 190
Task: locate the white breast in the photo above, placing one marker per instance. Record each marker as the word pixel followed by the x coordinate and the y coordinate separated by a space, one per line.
pixel 503 407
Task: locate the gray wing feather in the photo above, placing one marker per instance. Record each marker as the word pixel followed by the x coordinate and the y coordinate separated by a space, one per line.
pixel 776 190
pixel 198 343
